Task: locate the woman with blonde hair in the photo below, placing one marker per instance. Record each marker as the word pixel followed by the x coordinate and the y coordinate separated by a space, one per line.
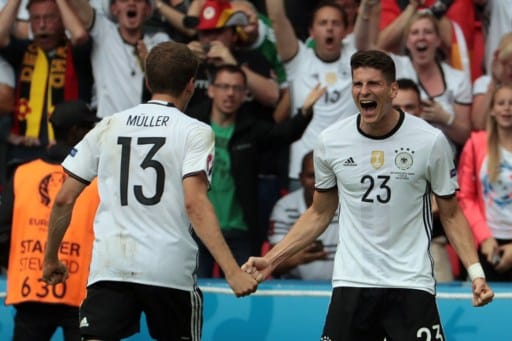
pixel 485 173
pixel 484 86
pixel 445 91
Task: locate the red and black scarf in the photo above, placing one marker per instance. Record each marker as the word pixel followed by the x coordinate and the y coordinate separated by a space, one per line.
pixel 42 83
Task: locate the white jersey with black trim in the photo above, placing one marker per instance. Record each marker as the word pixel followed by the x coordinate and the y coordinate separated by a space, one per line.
pixel 116 68
pixel 304 72
pixel 140 156
pixel 384 187
pixel 285 213
pixel 457 88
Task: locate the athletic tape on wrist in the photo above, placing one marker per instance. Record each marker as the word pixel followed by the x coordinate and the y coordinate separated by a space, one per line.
pixel 476 271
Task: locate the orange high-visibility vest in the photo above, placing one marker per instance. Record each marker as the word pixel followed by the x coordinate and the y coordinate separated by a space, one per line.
pixel 36 185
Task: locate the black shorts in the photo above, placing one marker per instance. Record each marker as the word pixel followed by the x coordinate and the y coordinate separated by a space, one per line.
pixel 112 311
pixel 370 314
pixel 39 321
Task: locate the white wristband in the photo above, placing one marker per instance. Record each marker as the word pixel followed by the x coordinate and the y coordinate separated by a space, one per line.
pixel 450 120
pixel 475 271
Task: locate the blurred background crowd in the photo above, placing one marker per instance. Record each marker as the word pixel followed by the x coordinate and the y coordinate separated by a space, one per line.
pixel 259 62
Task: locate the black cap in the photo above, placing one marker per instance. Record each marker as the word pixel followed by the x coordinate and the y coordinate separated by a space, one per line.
pixel 73 113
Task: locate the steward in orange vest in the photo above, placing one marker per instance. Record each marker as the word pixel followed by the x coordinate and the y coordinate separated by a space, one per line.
pixel 42 308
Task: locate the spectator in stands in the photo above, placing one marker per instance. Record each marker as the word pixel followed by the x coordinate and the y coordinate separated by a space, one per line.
pixel 379 168
pixel 316 261
pixel 216 45
pixel 445 91
pixel 485 192
pixel 21 28
pixel 484 87
pixel 408 97
pixel 26 207
pixel 500 23
pixel 118 51
pixel 153 164
pixel 50 68
pixel 259 35
pixel 327 63
pixel 456 27
pixel 240 136
pixel 350 7
pixel 408 100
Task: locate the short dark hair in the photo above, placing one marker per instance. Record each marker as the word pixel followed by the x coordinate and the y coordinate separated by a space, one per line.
pixel 230 68
pixel 377 60
pixel 169 68
pixel 333 4
pixel 408 84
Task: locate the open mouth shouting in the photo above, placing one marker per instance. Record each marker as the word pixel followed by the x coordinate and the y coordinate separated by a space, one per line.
pixel 421 47
pixel 368 105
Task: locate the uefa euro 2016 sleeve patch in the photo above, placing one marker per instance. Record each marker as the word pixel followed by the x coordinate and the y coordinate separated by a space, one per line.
pixel 73 151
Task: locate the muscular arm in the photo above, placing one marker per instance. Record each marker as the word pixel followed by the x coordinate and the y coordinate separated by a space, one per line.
pixel 286 40
pixel 84 11
pixel 6 99
pixel 204 221
pixel 457 230
pixel 460 237
pixel 366 28
pixel 283 108
pixel 174 17
pixel 461 127
pixel 307 228
pixel 265 90
pixel 390 38
pixel 72 23
pixel 53 271
pixel 7 18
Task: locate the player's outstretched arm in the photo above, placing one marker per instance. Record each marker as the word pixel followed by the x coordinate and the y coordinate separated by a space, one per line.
pixel 460 237
pixel 204 221
pixel 307 228
pixel 53 270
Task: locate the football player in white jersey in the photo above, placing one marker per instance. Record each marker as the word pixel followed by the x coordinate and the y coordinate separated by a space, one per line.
pixel 381 167
pixel 153 165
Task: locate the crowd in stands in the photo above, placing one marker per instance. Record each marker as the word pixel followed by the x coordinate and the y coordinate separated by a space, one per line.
pixel 273 74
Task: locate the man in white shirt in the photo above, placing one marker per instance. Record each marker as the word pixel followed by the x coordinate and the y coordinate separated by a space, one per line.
pixel 327 63
pixel 316 261
pixel 118 51
pixel 153 165
pixel 381 168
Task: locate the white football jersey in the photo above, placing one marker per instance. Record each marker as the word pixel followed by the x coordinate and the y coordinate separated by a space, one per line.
pixel 384 187
pixel 457 88
pixel 140 157
pixel 7 73
pixel 116 68
pixel 304 72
